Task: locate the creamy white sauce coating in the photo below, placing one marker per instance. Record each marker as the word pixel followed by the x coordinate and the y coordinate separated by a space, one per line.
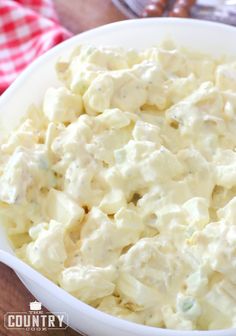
pixel 121 187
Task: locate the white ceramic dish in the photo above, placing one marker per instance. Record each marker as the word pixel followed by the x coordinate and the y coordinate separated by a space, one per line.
pixel 212 38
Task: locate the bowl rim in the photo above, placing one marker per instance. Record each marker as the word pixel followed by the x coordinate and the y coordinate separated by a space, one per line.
pixel 115 322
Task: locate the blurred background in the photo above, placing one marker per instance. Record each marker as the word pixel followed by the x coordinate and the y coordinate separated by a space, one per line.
pixel 79 15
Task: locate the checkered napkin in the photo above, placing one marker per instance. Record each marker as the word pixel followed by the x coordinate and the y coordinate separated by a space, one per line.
pixel 27 29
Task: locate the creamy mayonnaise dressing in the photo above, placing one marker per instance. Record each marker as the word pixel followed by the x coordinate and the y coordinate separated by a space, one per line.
pixel 121 187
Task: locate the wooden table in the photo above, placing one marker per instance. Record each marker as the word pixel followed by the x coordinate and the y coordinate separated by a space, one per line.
pixel 80 15
pixel 77 16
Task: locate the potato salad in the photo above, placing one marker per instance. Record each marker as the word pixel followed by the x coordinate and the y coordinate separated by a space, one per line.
pixel 121 186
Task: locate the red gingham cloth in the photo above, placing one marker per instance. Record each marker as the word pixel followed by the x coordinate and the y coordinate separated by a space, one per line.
pixel 27 29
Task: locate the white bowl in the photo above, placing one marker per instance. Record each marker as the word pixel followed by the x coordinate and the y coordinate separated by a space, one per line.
pixel 212 38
